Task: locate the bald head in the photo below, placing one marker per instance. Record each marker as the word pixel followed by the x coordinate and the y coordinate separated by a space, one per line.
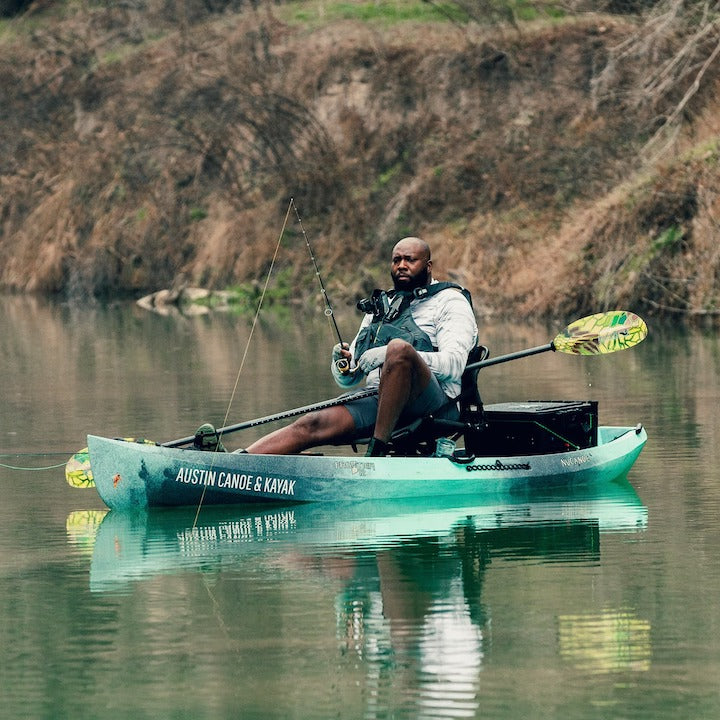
pixel 411 266
pixel 414 245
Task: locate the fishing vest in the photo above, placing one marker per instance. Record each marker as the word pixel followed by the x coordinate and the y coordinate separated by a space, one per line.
pixel 392 317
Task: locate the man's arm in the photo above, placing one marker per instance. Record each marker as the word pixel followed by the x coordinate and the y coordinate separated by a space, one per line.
pixel 456 335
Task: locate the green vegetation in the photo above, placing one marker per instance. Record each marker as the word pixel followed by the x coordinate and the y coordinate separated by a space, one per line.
pixel 384 12
pixel 390 12
pixel 668 239
pixel 244 298
pixel 197 213
pixel 385 177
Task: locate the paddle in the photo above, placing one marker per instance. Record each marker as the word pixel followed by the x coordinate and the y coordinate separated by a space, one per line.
pixel 598 334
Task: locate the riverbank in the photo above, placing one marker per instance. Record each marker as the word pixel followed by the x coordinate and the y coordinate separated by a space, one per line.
pixel 147 150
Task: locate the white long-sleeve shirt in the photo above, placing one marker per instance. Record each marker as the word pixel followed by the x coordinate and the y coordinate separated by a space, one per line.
pixel 448 320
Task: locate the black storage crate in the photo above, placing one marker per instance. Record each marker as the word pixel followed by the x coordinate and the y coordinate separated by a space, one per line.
pixel 537 427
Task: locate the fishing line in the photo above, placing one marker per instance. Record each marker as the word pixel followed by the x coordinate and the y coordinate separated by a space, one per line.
pixel 247 344
pixel 46 467
pixel 64 453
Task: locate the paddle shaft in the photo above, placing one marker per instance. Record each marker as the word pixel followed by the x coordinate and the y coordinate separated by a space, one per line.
pixel 511 356
pixel 287 414
pixel 340 400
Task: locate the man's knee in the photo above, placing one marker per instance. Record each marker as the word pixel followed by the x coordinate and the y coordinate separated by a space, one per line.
pixel 400 351
pixel 403 361
pixel 322 425
pixel 402 356
pixel 308 425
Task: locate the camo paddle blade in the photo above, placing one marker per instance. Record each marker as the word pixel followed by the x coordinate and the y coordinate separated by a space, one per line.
pixel 77 470
pixel 602 333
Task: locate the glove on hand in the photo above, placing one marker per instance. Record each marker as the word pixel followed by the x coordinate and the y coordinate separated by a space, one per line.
pixel 372 358
pixel 341 363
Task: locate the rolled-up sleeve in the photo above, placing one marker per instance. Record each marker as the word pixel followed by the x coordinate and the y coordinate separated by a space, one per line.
pixel 455 335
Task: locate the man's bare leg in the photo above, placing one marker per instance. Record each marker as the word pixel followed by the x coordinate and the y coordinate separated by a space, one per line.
pixel 403 378
pixel 315 428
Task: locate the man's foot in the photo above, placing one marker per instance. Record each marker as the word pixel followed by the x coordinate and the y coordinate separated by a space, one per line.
pixel 207 438
pixel 376 448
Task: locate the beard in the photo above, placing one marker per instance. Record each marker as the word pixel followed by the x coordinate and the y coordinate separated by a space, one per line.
pixel 405 282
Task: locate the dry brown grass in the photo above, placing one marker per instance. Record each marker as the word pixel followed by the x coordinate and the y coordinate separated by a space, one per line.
pixel 143 148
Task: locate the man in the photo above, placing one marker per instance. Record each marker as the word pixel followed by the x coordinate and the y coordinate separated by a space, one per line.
pixel 414 350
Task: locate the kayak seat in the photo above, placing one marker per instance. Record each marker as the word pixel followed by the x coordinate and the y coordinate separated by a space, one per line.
pixel 418 438
pixel 469 400
pixel 472 414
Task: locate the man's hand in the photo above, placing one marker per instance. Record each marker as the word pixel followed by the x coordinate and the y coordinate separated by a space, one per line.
pixel 341 359
pixel 340 351
pixel 372 358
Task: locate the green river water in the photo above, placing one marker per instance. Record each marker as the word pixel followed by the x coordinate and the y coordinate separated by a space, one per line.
pixel 594 605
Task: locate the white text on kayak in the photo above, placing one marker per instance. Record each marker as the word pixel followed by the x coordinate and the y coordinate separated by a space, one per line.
pixel 225 480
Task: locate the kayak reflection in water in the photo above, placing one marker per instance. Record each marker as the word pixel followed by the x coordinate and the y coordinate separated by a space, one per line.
pixel 413 345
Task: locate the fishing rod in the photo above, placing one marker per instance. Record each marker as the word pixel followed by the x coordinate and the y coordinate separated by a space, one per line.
pixel 343 365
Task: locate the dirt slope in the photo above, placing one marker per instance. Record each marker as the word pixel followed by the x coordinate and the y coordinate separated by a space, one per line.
pixel 142 151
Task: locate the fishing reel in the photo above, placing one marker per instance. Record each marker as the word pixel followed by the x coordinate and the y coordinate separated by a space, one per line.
pixel 343 367
pixel 342 364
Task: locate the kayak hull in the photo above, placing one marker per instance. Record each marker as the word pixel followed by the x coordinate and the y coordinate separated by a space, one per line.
pixel 131 475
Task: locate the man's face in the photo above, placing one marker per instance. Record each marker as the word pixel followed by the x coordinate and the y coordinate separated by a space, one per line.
pixel 410 267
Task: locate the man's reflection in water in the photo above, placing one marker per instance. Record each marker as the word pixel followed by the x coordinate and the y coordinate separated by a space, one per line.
pixel 412 613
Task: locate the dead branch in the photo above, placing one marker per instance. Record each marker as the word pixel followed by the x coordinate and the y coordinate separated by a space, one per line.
pixel 659 69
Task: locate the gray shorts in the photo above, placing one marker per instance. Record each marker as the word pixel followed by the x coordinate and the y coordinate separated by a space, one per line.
pixel 432 401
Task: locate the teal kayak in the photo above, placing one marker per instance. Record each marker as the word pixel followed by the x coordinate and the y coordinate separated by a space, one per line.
pixel 132 475
pixel 507 448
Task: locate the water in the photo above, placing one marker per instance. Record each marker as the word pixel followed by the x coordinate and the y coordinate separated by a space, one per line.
pixel 591 605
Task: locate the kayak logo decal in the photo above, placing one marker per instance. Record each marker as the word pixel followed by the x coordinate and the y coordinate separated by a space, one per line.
pixel 498 465
pixel 116 479
pixel 361 469
pixel 575 461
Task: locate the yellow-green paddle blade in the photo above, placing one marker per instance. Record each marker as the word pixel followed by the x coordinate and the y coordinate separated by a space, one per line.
pixel 601 334
pixel 78 472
